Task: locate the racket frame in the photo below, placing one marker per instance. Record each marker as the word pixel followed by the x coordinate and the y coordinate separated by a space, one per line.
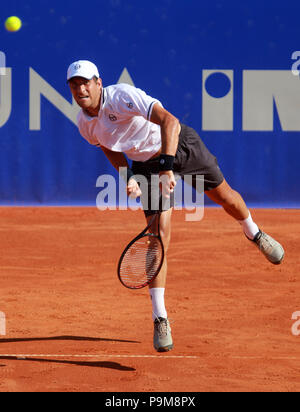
pixel 140 236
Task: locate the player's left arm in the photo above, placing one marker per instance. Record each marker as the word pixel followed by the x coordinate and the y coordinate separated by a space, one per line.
pixel 170 129
pixel 118 160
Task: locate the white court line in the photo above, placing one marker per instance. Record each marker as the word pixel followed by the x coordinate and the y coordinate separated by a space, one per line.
pixel 99 356
pixel 24 356
pixel 267 357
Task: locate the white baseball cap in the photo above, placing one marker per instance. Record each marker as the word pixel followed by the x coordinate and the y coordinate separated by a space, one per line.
pixel 82 68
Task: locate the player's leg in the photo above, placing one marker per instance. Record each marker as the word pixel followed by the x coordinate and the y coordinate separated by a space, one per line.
pixel 233 203
pixel 152 201
pixel 230 200
pixel 157 287
pixel 162 338
pixel 193 158
pixel 165 233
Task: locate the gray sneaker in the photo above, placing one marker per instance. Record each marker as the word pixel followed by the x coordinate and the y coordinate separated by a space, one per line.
pixel 272 250
pixel 162 339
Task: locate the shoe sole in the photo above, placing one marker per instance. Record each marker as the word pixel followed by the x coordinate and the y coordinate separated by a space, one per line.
pixel 165 348
pixel 278 262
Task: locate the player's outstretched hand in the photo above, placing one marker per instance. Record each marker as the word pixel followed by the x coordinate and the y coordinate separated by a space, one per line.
pixel 133 189
pixel 167 183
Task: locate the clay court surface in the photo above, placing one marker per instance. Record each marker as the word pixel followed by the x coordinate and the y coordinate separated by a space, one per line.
pixel 231 310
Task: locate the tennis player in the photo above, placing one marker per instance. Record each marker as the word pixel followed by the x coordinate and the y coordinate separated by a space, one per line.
pixel 124 120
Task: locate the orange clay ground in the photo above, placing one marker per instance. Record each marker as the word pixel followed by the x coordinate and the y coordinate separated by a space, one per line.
pixel 229 307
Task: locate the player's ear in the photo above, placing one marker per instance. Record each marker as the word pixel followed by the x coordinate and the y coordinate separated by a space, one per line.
pixel 98 81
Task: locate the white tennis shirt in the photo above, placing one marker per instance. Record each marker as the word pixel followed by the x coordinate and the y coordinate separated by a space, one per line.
pixel 123 123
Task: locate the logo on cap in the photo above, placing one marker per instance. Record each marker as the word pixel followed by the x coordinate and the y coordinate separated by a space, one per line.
pixel 77 66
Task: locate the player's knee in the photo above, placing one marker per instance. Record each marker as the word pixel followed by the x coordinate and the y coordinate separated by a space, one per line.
pixel 165 234
pixel 224 195
pixel 230 199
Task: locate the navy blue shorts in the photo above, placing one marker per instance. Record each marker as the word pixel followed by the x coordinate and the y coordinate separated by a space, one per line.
pixel 192 158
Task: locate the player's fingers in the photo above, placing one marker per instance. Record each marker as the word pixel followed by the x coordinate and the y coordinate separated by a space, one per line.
pixel 166 189
pixel 173 183
pixel 167 183
pixel 133 190
pixel 132 183
pixel 134 195
pixel 138 192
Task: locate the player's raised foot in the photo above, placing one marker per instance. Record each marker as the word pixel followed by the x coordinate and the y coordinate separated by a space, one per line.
pixel 269 247
pixel 162 339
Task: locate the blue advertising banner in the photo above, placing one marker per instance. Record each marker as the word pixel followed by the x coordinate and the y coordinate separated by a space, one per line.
pixel 228 69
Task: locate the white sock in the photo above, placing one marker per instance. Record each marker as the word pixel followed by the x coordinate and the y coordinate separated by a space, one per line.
pixel 158 303
pixel 250 228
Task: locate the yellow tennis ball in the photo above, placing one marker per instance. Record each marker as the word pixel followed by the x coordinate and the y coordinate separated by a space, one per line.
pixel 13 23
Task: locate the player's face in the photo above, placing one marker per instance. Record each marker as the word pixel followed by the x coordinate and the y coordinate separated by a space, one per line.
pixel 86 92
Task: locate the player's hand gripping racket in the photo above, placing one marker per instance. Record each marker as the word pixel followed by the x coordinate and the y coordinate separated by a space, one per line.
pixel 142 258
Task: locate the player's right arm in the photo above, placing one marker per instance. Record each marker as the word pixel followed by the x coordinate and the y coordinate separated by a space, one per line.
pixel 118 160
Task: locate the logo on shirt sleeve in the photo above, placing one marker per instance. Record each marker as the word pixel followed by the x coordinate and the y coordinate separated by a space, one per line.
pixel 130 105
pixel 112 117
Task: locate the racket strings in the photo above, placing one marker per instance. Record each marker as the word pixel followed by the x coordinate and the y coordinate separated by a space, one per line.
pixel 141 261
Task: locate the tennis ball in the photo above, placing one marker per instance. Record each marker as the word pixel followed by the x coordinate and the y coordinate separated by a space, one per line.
pixel 13 23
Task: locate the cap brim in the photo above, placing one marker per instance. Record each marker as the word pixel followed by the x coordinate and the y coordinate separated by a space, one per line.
pixel 78 75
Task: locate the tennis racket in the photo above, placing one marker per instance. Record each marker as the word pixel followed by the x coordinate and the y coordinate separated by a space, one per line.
pixel 142 258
